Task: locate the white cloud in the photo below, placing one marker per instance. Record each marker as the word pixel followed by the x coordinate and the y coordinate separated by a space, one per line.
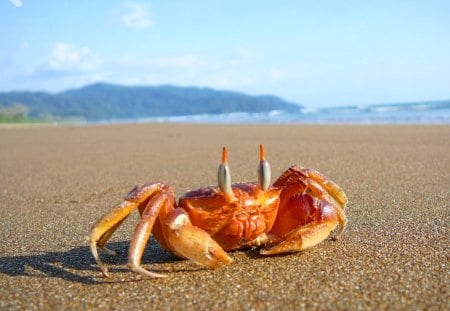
pixel 240 69
pixel 66 66
pixel 137 17
pixel 66 56
pixel 276 74
pixel 17 3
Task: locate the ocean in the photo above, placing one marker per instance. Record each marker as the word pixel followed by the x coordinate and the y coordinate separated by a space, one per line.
pixel 418 113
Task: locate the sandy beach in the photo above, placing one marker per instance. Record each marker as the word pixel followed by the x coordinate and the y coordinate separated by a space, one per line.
pixel 56 181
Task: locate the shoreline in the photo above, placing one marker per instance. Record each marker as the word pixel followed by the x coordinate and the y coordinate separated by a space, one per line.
pixel 131 123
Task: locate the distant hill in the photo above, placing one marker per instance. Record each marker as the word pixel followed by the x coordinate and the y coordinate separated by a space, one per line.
pixel 102 101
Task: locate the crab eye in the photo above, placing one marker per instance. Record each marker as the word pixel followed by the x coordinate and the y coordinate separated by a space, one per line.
pixel 264 173
pixel 224 175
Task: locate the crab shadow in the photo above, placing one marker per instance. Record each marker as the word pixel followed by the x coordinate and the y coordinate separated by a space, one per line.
pixel 78 265
pixel 73 264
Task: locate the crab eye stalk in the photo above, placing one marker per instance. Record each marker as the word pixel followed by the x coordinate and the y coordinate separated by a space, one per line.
pixel 264 173
pixel 224 175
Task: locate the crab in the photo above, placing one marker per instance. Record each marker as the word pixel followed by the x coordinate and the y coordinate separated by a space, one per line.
pixel 298 211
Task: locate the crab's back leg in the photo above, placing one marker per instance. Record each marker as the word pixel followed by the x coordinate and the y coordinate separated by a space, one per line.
pixel 328 190
pixel 104 228
pixel 330 186
pixel 295 175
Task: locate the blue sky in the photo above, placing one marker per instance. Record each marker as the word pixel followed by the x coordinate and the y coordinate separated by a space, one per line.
pixel 317 53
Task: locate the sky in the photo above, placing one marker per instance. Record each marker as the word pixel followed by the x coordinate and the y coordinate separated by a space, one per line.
pixel 317 53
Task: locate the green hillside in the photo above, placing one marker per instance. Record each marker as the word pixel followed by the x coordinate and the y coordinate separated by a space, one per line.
pixel 103 101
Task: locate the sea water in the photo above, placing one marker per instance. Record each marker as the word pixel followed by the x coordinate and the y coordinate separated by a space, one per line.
pixel 418 113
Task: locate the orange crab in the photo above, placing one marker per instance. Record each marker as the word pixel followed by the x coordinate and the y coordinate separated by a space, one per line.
pixel 298 211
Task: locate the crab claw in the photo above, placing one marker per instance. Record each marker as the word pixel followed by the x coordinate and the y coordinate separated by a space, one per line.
pixel 194 243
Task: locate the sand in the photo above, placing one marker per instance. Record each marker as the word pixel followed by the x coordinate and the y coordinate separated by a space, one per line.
pixel 56 181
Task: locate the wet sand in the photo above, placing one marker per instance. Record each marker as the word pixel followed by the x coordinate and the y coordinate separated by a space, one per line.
pixel 56 181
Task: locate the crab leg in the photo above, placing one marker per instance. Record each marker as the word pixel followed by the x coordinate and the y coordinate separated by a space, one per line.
pixel 104 228
pixel 142 234
pixel 330 186
pixel 106 236
pixel 342 219
pixel 333 193
pixel 338 200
